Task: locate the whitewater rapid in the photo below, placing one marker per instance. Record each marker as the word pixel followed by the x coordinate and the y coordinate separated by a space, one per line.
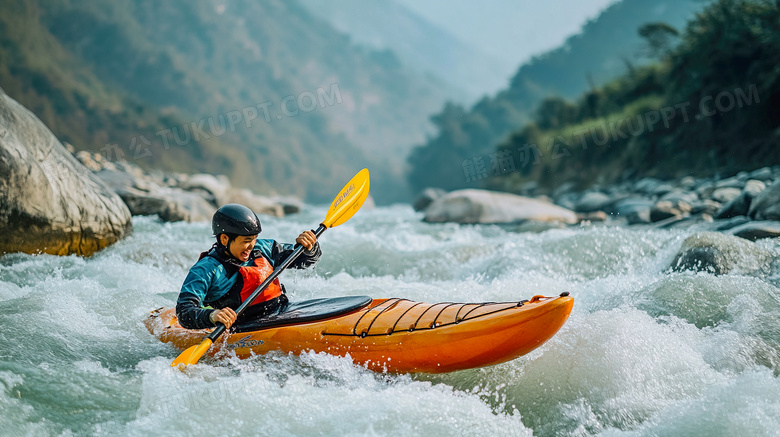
pixel 645 352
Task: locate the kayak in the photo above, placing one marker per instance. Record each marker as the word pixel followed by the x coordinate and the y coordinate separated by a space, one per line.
pixel 388 335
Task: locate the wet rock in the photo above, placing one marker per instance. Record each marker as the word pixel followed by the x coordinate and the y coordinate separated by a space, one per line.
pixel 647 185
pixel 49 201
pixel 756 230
pixel 568 200
pixel 662 190
pixel 593 201
pixel 369 204
pixel 169 204
pixel 705 206
pixel 754 186
pixel 687 183
pixel 730 223
pixel 290 205
pixel 725 195
pixel 705 190
pixel 766 204
pixel 666 209
pixel 595 216
pixel 258 204
pixel 426 197
pixel 529 188
pixel 216 188
pixel 740 205
pixel 681 196
pixel 762 174
pixel 564 188
pixel 718 253
pixel 145 196
pixel 635 210
pixel 481 206
pixel 734 182
pixel 89 162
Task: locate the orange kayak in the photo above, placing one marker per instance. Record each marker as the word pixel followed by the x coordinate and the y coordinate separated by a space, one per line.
pixel 389 335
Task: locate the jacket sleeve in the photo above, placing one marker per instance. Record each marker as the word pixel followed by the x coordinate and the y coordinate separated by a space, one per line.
pixel 280 252
pixel 189 308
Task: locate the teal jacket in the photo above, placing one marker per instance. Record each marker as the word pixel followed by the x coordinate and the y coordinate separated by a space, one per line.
pixel 208 280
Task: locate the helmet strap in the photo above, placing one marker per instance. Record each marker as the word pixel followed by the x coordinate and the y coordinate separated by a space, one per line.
pixel 225 248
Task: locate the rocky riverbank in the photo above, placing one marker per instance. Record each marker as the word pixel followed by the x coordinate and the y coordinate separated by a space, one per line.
pixel 723 212
pixel 178 196
pixel 56 201
pixel 748 203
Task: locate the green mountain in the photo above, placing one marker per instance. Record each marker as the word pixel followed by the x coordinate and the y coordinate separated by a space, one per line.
pixel 608 46
pixel 264 92
pixel 709 105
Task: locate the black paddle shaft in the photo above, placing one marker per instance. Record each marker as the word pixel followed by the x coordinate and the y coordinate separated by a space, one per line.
pixel 277 271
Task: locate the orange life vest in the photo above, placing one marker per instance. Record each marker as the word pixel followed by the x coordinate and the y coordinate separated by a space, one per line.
pixel 249 278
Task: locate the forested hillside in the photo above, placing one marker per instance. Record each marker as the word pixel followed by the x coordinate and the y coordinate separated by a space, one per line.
pixel 710 105
pixel 608 46
pixel 279 99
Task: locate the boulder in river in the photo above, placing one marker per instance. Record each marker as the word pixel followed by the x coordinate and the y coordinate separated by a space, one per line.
pixel 666 209
pixel 480 206
pixel 718 253
pixel 145 196
pixel 593 201
pixel 725 195
pixel 740 205
pixel 736 207
pixel 762 174
pixel 756 230
pixel 647 185
pixel 636 210
pixel 426 198
pixel 706 206
pixel 50 202
pixel 766 204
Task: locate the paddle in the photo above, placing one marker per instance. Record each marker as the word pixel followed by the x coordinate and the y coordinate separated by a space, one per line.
pixel 344 206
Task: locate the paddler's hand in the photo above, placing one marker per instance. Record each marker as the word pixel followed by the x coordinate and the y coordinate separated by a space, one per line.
pixel 307 239
pixel 226 316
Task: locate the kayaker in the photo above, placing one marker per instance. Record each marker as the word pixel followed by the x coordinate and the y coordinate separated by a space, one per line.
pixel 234 267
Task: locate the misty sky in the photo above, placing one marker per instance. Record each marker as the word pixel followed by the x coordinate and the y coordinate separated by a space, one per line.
pixel 510 29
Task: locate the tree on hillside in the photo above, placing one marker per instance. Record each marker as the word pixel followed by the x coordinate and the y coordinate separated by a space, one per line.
pixel 660 38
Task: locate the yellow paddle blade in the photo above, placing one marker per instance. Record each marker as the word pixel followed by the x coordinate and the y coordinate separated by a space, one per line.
pixel 349 200
pixel 191 355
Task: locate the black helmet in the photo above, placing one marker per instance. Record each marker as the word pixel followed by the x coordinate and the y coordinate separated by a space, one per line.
pixel 235 219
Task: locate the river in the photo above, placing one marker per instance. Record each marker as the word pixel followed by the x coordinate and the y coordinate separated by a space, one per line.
pixel 646 352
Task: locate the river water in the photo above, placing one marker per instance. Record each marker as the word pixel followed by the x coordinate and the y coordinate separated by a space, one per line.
pixel 645 352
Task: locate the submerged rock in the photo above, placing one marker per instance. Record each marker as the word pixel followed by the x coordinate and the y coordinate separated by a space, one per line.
pixel 50 202
pixel 736 207
pixel 707 206
pixel 481 206
pixel 592 202
pixel 636 210
pixel 762 174
pixel 720 254
pixel 725 195
pixel 426 198
pixel 666 209
pixel 756 230
pixel 766 204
